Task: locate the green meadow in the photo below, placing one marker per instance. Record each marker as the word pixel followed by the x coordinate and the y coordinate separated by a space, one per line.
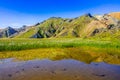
pixel 24 44
pixel 61 48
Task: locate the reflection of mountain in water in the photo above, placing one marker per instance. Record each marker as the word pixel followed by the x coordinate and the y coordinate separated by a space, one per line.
pixel 67 53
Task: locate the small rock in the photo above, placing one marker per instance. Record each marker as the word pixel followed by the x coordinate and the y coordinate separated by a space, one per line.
pixel 17 71
pixel 64 69
pixel 36 67
pixel 9 75
pixel 23 69
pixel 53 72
pixel 100 75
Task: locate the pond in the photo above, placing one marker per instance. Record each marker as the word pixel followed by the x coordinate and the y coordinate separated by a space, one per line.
pixel 64 69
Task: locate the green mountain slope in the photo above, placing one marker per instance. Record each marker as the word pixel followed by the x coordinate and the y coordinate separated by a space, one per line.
pixel 58 27
pixel 29 33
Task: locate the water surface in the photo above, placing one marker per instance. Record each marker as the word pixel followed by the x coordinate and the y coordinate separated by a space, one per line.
pixel 65 69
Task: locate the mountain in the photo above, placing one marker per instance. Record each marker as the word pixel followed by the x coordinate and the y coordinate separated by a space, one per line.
pixel 57 27
pixel 115 15
pixel 7 32
pixel 10 32
pixel 86 26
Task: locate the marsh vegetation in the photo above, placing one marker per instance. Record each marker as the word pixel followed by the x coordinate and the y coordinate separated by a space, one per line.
pixel 23 44
pixel 57 49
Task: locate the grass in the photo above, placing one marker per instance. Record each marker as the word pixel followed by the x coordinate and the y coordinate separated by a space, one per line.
pixel 23 44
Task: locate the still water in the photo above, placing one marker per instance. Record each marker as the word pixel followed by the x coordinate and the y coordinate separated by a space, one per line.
pixel 65 69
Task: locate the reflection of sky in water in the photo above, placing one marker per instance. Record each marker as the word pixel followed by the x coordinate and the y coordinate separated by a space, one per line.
pixel 57 70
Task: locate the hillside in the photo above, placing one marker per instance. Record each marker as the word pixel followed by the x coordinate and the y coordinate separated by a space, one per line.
pixel 58 27
pixel 115 15
pixel 28 33
pixel 86 26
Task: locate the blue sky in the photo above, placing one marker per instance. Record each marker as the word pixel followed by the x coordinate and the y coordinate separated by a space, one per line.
pixel 16 13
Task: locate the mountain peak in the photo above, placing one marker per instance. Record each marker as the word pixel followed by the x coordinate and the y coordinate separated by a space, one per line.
pixel 89 15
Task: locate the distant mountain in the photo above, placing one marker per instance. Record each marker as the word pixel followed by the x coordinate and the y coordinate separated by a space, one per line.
pixel 0 33
pixel 7 32
pixel 10 32
pixel 86 26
